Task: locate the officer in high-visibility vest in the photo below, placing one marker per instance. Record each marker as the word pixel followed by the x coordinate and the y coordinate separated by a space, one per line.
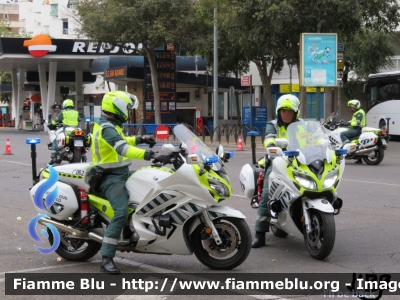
pixel 287 112
pixel 69 117
pixel 356 123
pixel 112 152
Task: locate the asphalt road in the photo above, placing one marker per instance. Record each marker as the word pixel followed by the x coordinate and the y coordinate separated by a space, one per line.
pixel 367 229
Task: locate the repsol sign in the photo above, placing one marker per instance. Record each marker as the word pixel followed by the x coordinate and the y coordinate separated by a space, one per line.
pixel 105 48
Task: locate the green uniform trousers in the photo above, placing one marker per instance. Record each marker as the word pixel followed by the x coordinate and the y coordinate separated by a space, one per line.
pixel 113 186
pixel 350 134
pixel 262 222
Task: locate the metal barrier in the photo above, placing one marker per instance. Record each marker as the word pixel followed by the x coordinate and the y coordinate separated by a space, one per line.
pixel 208 133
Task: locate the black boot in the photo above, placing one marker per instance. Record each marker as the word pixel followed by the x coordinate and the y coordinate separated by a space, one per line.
pixel 259 240
pixel 359 161
pixel 52 161
pixel 108 266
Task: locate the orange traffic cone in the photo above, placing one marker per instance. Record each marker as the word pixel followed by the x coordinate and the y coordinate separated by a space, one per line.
pixel 8 148
pixel 240 144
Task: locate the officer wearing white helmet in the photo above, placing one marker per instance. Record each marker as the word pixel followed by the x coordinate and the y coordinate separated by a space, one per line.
pixel 356 123
pixel 287 112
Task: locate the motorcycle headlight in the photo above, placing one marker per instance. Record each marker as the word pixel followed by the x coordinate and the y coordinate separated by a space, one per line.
pixel 220 188
pixel 330 180
pixel 305 181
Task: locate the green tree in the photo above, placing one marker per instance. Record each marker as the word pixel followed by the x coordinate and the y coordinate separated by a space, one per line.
pixel 150 23
pixel 270 30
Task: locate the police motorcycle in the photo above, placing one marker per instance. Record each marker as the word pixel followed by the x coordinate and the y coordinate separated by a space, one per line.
pixel 172 210
pixel 72 142
pixel 370 146
pixel 302 186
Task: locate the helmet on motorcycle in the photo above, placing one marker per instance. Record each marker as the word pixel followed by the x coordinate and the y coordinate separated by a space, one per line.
pixel 68 103
pixel 355 103
pixel 119 104
pixel 288 102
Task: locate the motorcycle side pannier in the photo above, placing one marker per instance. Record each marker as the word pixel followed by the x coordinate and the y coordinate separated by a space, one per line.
pixel 248 179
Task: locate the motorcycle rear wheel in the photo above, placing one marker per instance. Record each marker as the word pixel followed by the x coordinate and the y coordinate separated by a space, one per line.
pixel 236 244
pixel 77 156
pixel 75 249
pixel 376 159
pixel 320 241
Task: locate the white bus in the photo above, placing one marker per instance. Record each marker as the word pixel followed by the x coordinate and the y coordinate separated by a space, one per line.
pixel 383 101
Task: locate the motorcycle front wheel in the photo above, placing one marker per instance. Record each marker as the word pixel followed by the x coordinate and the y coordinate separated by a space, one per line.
pixel 75 249
pixel 375 157
pixel 236 244
pixel 321 239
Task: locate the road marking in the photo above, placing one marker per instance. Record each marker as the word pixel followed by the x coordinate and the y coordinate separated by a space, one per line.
pixel 49 268
pixel 15 162
pixel 392 184
pixel 161 270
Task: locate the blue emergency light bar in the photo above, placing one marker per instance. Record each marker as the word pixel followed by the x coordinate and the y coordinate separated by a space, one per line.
pixel 340 151
pixel 230 154
pixel 211 160
pixel 292 153
pixel 253 133
pixel 87 119
pixel 33 141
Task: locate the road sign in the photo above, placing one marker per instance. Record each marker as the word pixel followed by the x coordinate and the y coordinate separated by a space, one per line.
pixel 245 80
pixel 340 47
pixel 340 74
pixel 340 55
pixel 162 132
pixel 340 83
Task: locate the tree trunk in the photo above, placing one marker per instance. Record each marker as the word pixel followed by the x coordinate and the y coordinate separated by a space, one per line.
pixel 151 56
pixel 266 79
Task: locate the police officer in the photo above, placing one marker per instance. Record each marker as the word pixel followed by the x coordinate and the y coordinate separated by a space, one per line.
pixel 69 117
pixel 113 152
pixel 287 112
pixel 356 123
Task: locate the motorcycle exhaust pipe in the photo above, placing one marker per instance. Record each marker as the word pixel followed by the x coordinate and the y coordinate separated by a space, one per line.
pixel 366 151
pixel 95 237
pixel 64 228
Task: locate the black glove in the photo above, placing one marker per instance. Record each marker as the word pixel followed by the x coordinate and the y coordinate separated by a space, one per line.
pixel 148 140
pixel 346 123
pixel 163 159
pixel 52 126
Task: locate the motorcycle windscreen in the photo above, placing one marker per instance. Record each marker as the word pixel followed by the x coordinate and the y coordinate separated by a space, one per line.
pixel 195 145
pixel 308 138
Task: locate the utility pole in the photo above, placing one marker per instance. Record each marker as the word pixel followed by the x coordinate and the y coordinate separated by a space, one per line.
pixel 318 94
pixel 215 70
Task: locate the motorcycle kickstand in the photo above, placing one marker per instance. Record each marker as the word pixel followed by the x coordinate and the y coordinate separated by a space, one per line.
pixel 209 223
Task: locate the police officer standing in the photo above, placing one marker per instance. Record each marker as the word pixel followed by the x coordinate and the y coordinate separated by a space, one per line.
pixel 113 151
pixel 287 112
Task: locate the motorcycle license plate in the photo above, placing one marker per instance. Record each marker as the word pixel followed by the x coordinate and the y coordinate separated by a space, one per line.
pixel 384 142
pixel 78 143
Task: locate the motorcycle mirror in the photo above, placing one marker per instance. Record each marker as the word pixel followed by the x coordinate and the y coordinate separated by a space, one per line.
pixel 220 151
pixel 281 142
pixel 168 148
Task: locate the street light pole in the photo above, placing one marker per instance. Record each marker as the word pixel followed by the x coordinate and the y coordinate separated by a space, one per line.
pixel 215 70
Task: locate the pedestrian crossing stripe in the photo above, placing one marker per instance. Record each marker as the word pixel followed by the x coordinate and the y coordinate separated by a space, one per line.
pixel 154 203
